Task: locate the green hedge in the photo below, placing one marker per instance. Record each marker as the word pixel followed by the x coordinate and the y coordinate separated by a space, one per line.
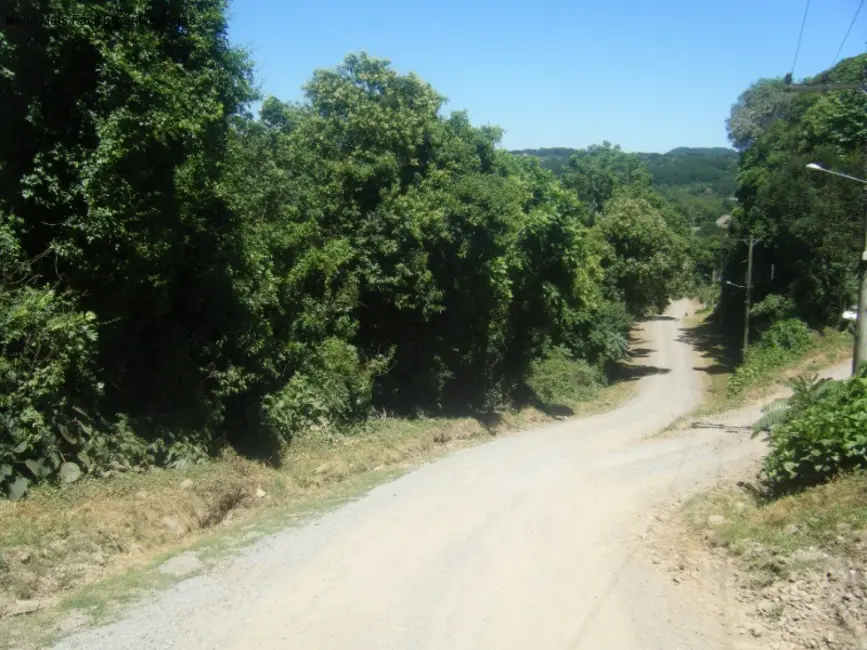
pixel 826 438
pixel 780 343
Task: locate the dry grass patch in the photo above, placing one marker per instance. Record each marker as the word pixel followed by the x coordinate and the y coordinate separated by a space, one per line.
pixel 799 573
pixel 831 517
pixel 717 358
pixel 96 540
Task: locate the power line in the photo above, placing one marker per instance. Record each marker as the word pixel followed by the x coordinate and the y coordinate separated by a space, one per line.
pixel 800 37
pixel 851 25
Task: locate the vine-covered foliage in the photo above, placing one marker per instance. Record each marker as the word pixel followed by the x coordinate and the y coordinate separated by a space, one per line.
pixel 809 225
pixel 177 274
pixel 826 437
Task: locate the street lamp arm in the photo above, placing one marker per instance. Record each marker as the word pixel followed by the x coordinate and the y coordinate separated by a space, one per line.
pixel 819 168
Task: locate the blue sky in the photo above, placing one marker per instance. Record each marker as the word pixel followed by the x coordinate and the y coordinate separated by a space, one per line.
pixel 648 75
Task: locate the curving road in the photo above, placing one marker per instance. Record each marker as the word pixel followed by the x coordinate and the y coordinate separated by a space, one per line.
pixel 525 543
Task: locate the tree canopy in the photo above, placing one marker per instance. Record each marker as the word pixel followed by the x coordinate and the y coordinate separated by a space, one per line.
pixel 697 182
pixel 810 224
pixel 178 274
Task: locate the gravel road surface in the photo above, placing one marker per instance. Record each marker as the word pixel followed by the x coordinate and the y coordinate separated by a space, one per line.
pixel 529 542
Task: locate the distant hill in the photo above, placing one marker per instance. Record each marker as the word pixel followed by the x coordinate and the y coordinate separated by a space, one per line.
pixel 715 166
pixel 555 158
pixel 698 180
pixel 684 166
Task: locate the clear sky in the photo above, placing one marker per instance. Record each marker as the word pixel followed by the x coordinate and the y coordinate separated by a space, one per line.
pixel 648 75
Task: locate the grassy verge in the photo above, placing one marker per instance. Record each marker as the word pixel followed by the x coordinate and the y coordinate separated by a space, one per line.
pixel 718 357
pixel 774 537
pixel 91 545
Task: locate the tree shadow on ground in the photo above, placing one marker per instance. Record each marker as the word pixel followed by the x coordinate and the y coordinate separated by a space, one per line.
pixel 490 421
pixel 761 490
pixel 720 351
pixel 525 397
pixel 660 317
pixel 264 446
pixel 626 372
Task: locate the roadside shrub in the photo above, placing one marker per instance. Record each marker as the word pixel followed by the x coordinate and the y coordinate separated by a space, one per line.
pixel 780 343
pixel 822 440
pixel 334 388
pixel 49 429
pixel 772 309
pixel 46 351
pixel 807 389
pixel 558 378
pixel 600 334
pixel 790 335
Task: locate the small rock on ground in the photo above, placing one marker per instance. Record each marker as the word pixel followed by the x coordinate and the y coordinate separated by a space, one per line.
pixel 182 565
pixel 72 623
pixel 173 525
pixel 19 607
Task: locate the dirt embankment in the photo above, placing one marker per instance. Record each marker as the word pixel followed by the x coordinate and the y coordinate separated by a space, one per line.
pixel 785 574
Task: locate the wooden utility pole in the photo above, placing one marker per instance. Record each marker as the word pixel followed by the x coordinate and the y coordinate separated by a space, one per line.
pixel 859 354
pixel 748 286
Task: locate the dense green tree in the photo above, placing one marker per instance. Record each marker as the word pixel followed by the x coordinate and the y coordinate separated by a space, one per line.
pixel 600 171
pixel 117 131
pixel 117 116
pixel 643 256
pixel 757 108
pixel 175 273
pixel 456 262
pixel 811 224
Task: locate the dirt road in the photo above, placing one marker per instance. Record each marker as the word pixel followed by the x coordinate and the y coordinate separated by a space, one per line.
pixel 528 542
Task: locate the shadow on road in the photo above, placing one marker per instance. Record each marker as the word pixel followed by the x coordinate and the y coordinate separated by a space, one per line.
pixel 624 372
pixel 639 353
pixel 721 353
pixel 490 421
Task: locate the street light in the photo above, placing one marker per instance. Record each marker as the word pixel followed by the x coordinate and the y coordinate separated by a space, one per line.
pixel 817 167
pixel 859 354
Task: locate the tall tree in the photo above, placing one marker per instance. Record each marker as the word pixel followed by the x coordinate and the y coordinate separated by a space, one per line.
pixel 598 172
pixel 811 224
pixel 643 257
pixel 117 115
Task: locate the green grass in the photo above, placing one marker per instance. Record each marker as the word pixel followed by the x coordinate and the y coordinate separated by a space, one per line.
pixel 121 518
pixel 718 359
pixel 765 534
pixel 102 601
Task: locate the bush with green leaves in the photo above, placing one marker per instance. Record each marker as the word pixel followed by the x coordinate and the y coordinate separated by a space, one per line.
pixel 46 351
pixel 789 336
pixel 772 308
pixel 559 378
pixel 254 278
pixel 779 344
pixel 822 440
pixel 807 390
pixel 47 347
pixel 335 388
